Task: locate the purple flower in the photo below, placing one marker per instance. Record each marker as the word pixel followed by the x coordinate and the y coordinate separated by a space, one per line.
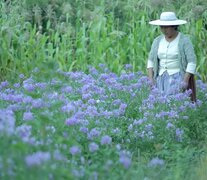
pixel 93 71
pixel 67 89
pixel 86 96
pixel 27 99
pixel 27 116
pixel 93 147
pixel 4 84
pixel 107 114
pixel 125 160
pixel 92 111
pixel 17 85
pixel 24 131
pixel 68 108
pixel 37 103
pixel 21 76
pixel 155 162
pixel 41 85
pixel 58 156
pixel 92 101
pixel 106 140
pixel 7 122
pixel 116 102
pixel 173 114
pixel 93 133
pixel 29 87
pixel 170 125
pixel 179 134
pixel 148 127
pixel 128 67
pixel 75 150
pixel 122 108
pixel 161 114
pixel 37 158
pixel 83 130
pixel 18 98
pixel 72 121
pixel 139 122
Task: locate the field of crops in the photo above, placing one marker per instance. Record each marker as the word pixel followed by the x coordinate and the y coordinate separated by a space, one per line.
pixel 75 102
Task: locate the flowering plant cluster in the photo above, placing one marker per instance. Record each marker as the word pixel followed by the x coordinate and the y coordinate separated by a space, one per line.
pixel 88 125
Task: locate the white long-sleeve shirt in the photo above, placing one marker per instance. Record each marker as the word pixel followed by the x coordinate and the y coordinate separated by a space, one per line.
pixel 168 55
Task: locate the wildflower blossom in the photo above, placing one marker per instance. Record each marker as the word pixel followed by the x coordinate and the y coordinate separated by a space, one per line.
pixel 128 67
pixel 78 172
pixel 67 89
pixel 27 99
pixel 71 121
pixel 179 134
pixel 37 158
pixel 93 147
pixel 7 122
pixel 21 76
pixel 84 130
pixel 106 140
pixel 69 108
pixel 92 111
pixel 122 108
pixel 29 87
pixel 27 116
pixel 169 125
pixel 4 84
pixel 58 156
pixel 124 159
pixel 93 133
pixel 75 150
pixel 38 103
pixel 156 162
pixel 17 85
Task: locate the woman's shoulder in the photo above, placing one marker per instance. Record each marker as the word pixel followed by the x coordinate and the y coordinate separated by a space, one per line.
pixel 184 37
pixel 158 38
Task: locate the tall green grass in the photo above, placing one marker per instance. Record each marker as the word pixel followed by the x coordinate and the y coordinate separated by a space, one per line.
pixel 71 35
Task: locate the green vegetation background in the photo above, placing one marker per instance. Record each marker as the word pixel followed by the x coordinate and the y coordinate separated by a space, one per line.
pixel 72 34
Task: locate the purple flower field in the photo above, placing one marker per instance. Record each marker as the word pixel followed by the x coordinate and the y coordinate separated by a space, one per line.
pixel 98 125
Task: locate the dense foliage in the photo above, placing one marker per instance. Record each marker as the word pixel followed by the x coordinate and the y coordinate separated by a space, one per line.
pixel 71 35
pixel 75 102
pixel 99 126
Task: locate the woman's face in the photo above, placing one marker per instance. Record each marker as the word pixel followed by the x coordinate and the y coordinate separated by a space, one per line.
pixel 168 31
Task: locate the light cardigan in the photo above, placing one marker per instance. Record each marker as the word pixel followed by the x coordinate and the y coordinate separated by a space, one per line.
pixel 186 53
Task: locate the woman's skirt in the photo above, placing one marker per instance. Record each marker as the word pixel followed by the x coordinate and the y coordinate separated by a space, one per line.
pixel 169 84
pixel 172 84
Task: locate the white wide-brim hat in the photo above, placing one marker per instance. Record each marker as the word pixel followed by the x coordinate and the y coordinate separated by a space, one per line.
pixel 168 19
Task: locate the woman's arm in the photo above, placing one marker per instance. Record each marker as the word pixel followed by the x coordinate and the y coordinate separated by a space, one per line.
pixel 150 74
pixel 191 62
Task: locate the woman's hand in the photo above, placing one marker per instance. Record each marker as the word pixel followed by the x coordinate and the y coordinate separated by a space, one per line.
pixel 185 81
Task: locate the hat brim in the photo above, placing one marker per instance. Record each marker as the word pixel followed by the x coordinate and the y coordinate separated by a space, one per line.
pixel 167 23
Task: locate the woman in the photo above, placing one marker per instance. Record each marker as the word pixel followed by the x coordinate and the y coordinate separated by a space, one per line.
pixel 172 62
